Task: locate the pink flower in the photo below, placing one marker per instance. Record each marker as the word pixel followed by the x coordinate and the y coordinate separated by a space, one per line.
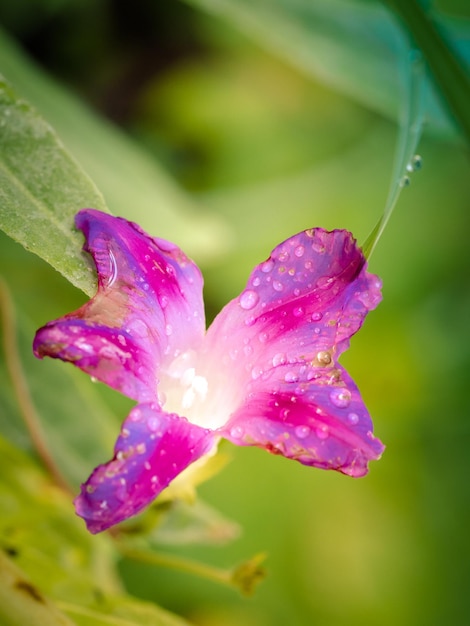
pixel 266 372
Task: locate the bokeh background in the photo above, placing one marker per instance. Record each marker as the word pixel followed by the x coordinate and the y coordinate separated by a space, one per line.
pixel 252 142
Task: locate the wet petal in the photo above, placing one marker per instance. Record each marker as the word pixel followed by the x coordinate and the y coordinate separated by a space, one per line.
pixel 152 449
pixel 281 338
pixel 320 421
pixel 147 310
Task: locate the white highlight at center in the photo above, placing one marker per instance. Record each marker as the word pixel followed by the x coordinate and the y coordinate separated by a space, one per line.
pixel 197 387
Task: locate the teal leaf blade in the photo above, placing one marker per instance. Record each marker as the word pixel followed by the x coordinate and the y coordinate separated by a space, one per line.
pixel 352 46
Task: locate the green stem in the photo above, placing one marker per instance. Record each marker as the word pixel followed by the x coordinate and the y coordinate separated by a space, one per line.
pixel 181 564
pixel 448 72
pixel 20 386
pixel 244 577
pixel 406 161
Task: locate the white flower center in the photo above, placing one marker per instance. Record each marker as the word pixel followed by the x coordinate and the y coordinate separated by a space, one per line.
pixel 186 392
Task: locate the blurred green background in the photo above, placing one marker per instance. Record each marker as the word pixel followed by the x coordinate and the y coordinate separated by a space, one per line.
pixel 258 135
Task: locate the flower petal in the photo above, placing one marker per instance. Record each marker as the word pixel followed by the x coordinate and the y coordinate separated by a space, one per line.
pixel 152 449
pixel 321 422
pixel 279 341
pixel 148 308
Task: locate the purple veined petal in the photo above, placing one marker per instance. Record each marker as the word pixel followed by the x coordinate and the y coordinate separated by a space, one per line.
pixel 313 415
pixel 311 294
pixel 281 338
pixel 152 449
pixel 147 310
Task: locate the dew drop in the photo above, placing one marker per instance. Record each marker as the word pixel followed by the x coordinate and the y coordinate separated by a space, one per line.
pixel 256 372
pixel 249 299
pixel 322 432
pixel 256 281
pixel 417 162
pixel 353 418
pixel 236 432
pixel 340 397
pixel 279 359
pixel 299 251
pixel 153 424
pixel 247 350
pixel 267 266
pixel 277 285
pixel 250 320
pixel 302 432
pixel 405 181
pixel 283 256
pixel 291 377
pixel 136 415
pixel 285 413
pixel 316 317
pixel 298 311
pixel 168 329
pixel 324 357
pixel 163 300
pixel 263 337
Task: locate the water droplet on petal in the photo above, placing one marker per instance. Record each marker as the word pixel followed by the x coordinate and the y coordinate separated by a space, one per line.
pixel 291 377
pixel 279 359
pixel 353 418
pixel 316 317
pixel 277 285
pixel 247 350
pixel 267 266
pixel 324 357
pixel 250 320
pixel 302 432
pixel 299 251
pixel 298 311
pixel 168 329
pixel 248 299
pixel 405 181
pixel 263 337
pixel 256 372
pixel 163 300
pixel 283 256
pixel 340 397
pixel 256 281
pixel 153 424
pixel 236 432
pixel 322 432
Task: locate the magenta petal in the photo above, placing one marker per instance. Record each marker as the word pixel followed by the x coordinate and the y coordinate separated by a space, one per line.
pixel 312 293
pixel 148 308
pixel 318 422
pixel 152 449
pixel 278 343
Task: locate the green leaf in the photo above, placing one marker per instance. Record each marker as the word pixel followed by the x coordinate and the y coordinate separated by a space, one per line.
pixel 449 74
pixel 40 189
pixel 22 603
pixel 43 186
pixel 59 569
pixel 353 46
